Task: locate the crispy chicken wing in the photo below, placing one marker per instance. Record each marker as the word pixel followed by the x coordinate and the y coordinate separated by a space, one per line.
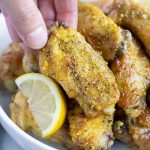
pixel 11 66
pixel 135 17
pixel 132 72
pixel 90 133
pixel 14 63
pixel 80 70
pixel 99 30
pixel 87 133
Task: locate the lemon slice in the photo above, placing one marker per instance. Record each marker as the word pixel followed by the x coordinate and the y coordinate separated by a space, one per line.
pixel 46 101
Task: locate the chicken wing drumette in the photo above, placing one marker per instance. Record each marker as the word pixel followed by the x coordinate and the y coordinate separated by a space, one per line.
pixel 99 30
pixel 133 16
pixel 80 70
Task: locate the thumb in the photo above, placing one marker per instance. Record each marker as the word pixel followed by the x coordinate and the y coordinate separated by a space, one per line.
pixel 27 21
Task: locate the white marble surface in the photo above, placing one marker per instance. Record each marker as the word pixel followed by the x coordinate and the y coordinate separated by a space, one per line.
pixel 6 142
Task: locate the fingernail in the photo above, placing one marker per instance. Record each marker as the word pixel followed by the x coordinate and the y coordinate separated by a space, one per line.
pixel 36 39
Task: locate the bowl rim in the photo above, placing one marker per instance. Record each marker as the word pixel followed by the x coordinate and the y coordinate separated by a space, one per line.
pixel 4 117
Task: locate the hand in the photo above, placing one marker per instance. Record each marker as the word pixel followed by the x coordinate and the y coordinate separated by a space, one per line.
pixel 27 19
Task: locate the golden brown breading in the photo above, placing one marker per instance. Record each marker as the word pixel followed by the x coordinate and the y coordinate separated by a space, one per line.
pixel 11 66
pixel 131 15
pixel 90 133
pixel 63 138
pixel 132 72
pixel 14 63
pixel 99 30
pixel 80 70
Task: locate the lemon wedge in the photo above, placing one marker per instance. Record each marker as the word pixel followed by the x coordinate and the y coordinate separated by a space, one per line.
pixel 46 101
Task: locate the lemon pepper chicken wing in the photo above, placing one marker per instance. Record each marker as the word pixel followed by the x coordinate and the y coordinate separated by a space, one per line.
pixel 14 63
pixel 11 66
pixel 86 133
pixel 90 133
pixel 132 72
pixel 100 31
pixel 80 70
pixel 135 17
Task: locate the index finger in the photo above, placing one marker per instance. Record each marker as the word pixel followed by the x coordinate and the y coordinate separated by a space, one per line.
pixel 67 11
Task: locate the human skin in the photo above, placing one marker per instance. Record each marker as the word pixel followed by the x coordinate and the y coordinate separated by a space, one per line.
pixel 27 19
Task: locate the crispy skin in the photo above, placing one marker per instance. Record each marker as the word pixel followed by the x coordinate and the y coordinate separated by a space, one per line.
pixel 133 16
pixel 14 63
pixel 22 116
pixel 90 133
pixel 11 66
pixel 132 72
pixel 99 30
pixel 80 70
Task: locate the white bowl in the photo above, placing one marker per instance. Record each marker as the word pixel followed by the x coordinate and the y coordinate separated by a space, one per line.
pixel 26 141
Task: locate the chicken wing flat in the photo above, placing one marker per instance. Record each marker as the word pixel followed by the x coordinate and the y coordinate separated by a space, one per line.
pixel 99 30
pixel 132 72
pixel 11 66
pixel 135 17
pixel 80 70
pixel 90 133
